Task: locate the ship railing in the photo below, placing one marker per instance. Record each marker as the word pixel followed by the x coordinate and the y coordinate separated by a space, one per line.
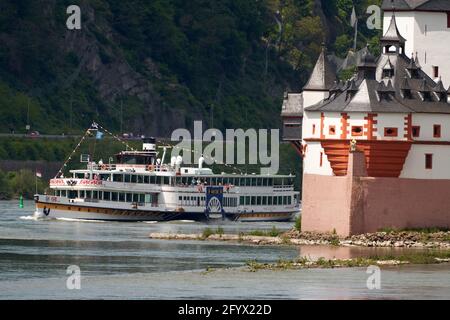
pixel 103 167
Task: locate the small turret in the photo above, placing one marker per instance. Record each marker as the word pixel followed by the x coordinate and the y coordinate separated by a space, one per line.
pixel 393 38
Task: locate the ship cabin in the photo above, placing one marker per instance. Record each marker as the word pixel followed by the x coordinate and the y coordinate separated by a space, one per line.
pixel 145 157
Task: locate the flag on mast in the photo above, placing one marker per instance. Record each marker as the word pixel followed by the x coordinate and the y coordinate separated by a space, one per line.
pixel 354 19
pixel 38 174
pixel 354 23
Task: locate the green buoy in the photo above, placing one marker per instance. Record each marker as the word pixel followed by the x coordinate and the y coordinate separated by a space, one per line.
pixel 20 202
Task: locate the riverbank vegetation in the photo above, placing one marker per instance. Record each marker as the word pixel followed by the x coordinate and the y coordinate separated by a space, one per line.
pixel 14 184
pixel 224 61
pixel 422 257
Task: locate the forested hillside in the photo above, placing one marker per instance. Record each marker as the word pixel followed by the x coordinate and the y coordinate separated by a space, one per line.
pixel 160 64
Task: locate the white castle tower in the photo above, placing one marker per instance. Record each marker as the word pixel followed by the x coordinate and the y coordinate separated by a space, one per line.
pixel 376 148
pixel 425 24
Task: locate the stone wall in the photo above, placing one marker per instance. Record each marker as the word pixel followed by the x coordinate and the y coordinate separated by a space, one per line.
pixel 357 204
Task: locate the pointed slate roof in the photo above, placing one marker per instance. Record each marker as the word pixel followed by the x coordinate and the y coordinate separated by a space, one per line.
pixel 392 34
pixel 440 87
pixel 412 64
pixel 405 84
pixel 388 65
pixel 292 105
pixel 387 96
pixel 424 87
pixel 323 75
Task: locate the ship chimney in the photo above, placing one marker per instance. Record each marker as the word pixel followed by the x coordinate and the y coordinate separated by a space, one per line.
pixel 149 144
pixel 201 160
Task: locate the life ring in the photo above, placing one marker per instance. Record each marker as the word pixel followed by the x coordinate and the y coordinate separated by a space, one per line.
pixel 103 167
pixel 151 167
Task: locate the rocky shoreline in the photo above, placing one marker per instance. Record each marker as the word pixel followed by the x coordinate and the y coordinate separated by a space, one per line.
pixel 393 239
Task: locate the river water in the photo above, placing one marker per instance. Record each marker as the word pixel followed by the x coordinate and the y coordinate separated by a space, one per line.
pixel 119 261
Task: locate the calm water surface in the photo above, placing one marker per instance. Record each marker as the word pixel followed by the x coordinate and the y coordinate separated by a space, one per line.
pixel 119 261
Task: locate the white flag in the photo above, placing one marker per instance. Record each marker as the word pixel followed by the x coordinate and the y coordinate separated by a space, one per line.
pixel 38 174
pixel 354 19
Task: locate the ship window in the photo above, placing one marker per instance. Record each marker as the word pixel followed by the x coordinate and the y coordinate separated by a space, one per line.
pixel 437 131
pixel 391 132
pixel 121 197
pixel 133 178
pixel 72 194
pixel 264 200
pixel 81 194
pixel 106 195
pixel 140 179
pixel 448 19
pixel 241 201
pixel 88 194
pixel 428 161
pixel 152 179
pixel 416 131
pixel 269 202
pixel 259 182
pixel 166 180
pixel 275 201
pixel 95 195
pixel 158 180
pixel 118 178
pixel 258 201
pixel 146 179
pixel 357 130
pixel 114 196
pixel 280 200
pixel 127 178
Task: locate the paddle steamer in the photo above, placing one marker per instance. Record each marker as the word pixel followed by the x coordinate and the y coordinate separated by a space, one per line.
pixel 141 187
